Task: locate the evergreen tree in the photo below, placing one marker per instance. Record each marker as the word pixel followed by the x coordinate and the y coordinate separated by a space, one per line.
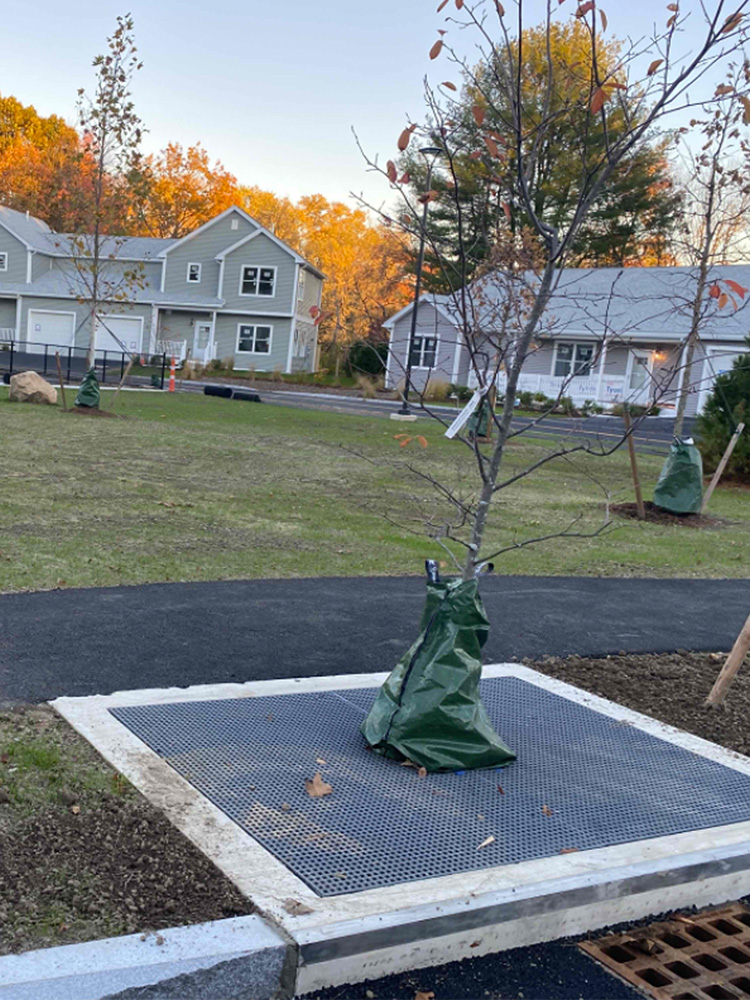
pixel 727 406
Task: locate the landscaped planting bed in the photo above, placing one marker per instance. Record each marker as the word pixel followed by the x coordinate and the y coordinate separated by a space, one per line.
pixel 82 854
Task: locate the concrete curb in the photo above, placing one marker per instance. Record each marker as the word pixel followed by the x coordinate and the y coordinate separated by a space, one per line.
pixel 235 958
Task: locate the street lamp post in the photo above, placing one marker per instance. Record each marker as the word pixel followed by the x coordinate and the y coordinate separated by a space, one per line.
pixel 430 153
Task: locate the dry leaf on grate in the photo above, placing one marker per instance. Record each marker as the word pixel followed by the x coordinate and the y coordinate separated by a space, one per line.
pixel 316 788
pixel 296 908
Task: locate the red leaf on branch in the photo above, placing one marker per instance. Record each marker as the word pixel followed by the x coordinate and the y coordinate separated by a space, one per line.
pixel 442 5
pixel 403 139
pixel 736 287
pixel 714 291
pixel 390 169
pixel 449 86
pixel 459 4
pixel 501 9
pixel 654 66
pixel 491 146
pixel 584 9
pixel 479 114
pixel 436 49
pixel 598 100
pixel 731 23
pixel 476 154
pixel 723 299
pixel 405 178
pixel 673 6
pixel 506 209
pixel 603 16
pixel 672 21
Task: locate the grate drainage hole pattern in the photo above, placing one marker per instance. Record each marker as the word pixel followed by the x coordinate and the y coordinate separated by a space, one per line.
pixel 705 957
pixel 583 781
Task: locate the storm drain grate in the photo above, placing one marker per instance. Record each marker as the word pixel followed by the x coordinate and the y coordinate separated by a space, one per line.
pixel 703 957
pixel 583 780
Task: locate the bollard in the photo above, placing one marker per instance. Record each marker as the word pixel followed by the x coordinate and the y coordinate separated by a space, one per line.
pixel 171 374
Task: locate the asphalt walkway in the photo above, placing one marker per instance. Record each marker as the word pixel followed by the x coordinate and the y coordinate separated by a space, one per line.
pixel 82 642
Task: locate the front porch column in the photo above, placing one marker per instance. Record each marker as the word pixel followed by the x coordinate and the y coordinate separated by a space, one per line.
pixel 602 363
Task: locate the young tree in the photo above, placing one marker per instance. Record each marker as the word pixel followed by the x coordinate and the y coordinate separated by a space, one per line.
pixel 111 136
pixel 716 195
pixel 726 408
pixel 610 113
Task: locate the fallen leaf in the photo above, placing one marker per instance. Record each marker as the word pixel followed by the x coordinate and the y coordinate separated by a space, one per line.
pixel 423 440
pixel 319 760
pixel 75 810
pixel 160 939
pixel 436 49
pixel 316 788
pixel 546 810
pixel 480 817
pixel 569 850
pixel 501 789
pixel 285 807
pixel 424 996
pixel 296 908
pixel 486 843
pixel 422 772
pixel 654 66
pixel 339 874
pixel 404 443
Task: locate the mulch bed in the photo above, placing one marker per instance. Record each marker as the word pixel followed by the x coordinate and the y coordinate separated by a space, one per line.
pixel 82 854
pixel 671 687
pixel 655 515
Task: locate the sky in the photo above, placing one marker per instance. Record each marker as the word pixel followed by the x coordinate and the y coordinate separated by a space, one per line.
pixel 272 88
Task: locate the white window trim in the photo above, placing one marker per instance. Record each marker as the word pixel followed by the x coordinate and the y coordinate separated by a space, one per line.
pixel 4 258
pixel 575 344
pixel 254 327
pixel 194 281
pixel 423 337
pixel 257 295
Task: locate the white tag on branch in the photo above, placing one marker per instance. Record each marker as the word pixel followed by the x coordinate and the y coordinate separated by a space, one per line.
pixel 316 788
pixel 463 418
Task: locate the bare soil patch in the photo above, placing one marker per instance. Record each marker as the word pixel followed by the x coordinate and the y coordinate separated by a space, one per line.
pixel 671 687
pixel 90 411
pixel 82 854
pixel 655 515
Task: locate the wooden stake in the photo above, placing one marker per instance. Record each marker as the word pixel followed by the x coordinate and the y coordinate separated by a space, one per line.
pixel 721 466
pixel 62 383
pixel 734 661
pixel 634 464
pixel 122 381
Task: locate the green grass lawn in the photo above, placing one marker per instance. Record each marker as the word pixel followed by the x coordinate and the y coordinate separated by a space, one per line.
pixel 194 488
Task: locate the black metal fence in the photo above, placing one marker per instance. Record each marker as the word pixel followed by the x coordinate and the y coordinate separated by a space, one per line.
pixel 110 365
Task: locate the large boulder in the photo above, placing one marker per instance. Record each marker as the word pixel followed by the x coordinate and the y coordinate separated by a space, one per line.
pixel 28 387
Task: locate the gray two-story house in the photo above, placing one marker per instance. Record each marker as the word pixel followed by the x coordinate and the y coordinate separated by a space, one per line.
pixel 230 289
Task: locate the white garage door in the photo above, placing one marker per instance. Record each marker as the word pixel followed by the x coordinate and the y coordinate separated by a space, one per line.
pixel 115 333
pixel 46 327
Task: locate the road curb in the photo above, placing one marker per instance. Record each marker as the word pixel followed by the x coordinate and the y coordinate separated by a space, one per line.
pixel 240 956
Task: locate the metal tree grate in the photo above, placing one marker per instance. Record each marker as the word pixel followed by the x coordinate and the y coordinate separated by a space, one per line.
pixel 703 957
pixel 583 780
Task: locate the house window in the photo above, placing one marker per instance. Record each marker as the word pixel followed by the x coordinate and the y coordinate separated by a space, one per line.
pixel 3 261
pixel 423 352
pixel 257 280
pixel 235 224
pixel 254 339
pixel 301 286
pixel 573 359
pixel 194 273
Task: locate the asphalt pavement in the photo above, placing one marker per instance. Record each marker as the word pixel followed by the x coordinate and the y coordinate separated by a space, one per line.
pixel 82 642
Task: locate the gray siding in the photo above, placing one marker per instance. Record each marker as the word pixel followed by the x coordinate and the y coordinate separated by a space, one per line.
pixel 261 252
pixel 40 264
pixel 311 296
pixel 16 257
pixel 202 249
pixel 82 323
pixel 430 323
pixel 180 325
pixel 306 340
pixel 226 341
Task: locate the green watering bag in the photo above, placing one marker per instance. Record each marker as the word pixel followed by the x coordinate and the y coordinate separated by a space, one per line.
pixel 429 710
pixel 680 486
pixel 88 394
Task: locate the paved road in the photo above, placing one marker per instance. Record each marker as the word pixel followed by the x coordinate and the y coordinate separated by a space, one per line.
pixel 80 642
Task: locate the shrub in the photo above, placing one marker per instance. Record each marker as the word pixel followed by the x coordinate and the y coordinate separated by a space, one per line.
pixel 539 397
pixel 636 411
pixel 367 386
pixel 566 404
pixel 436 391
pixel 727 406
pixel 526 399
pixel 462 392
pixel 228 363
pixel 277 374
pixel 366 358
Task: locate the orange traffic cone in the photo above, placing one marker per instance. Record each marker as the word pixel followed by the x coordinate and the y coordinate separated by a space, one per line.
pixel 171 374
